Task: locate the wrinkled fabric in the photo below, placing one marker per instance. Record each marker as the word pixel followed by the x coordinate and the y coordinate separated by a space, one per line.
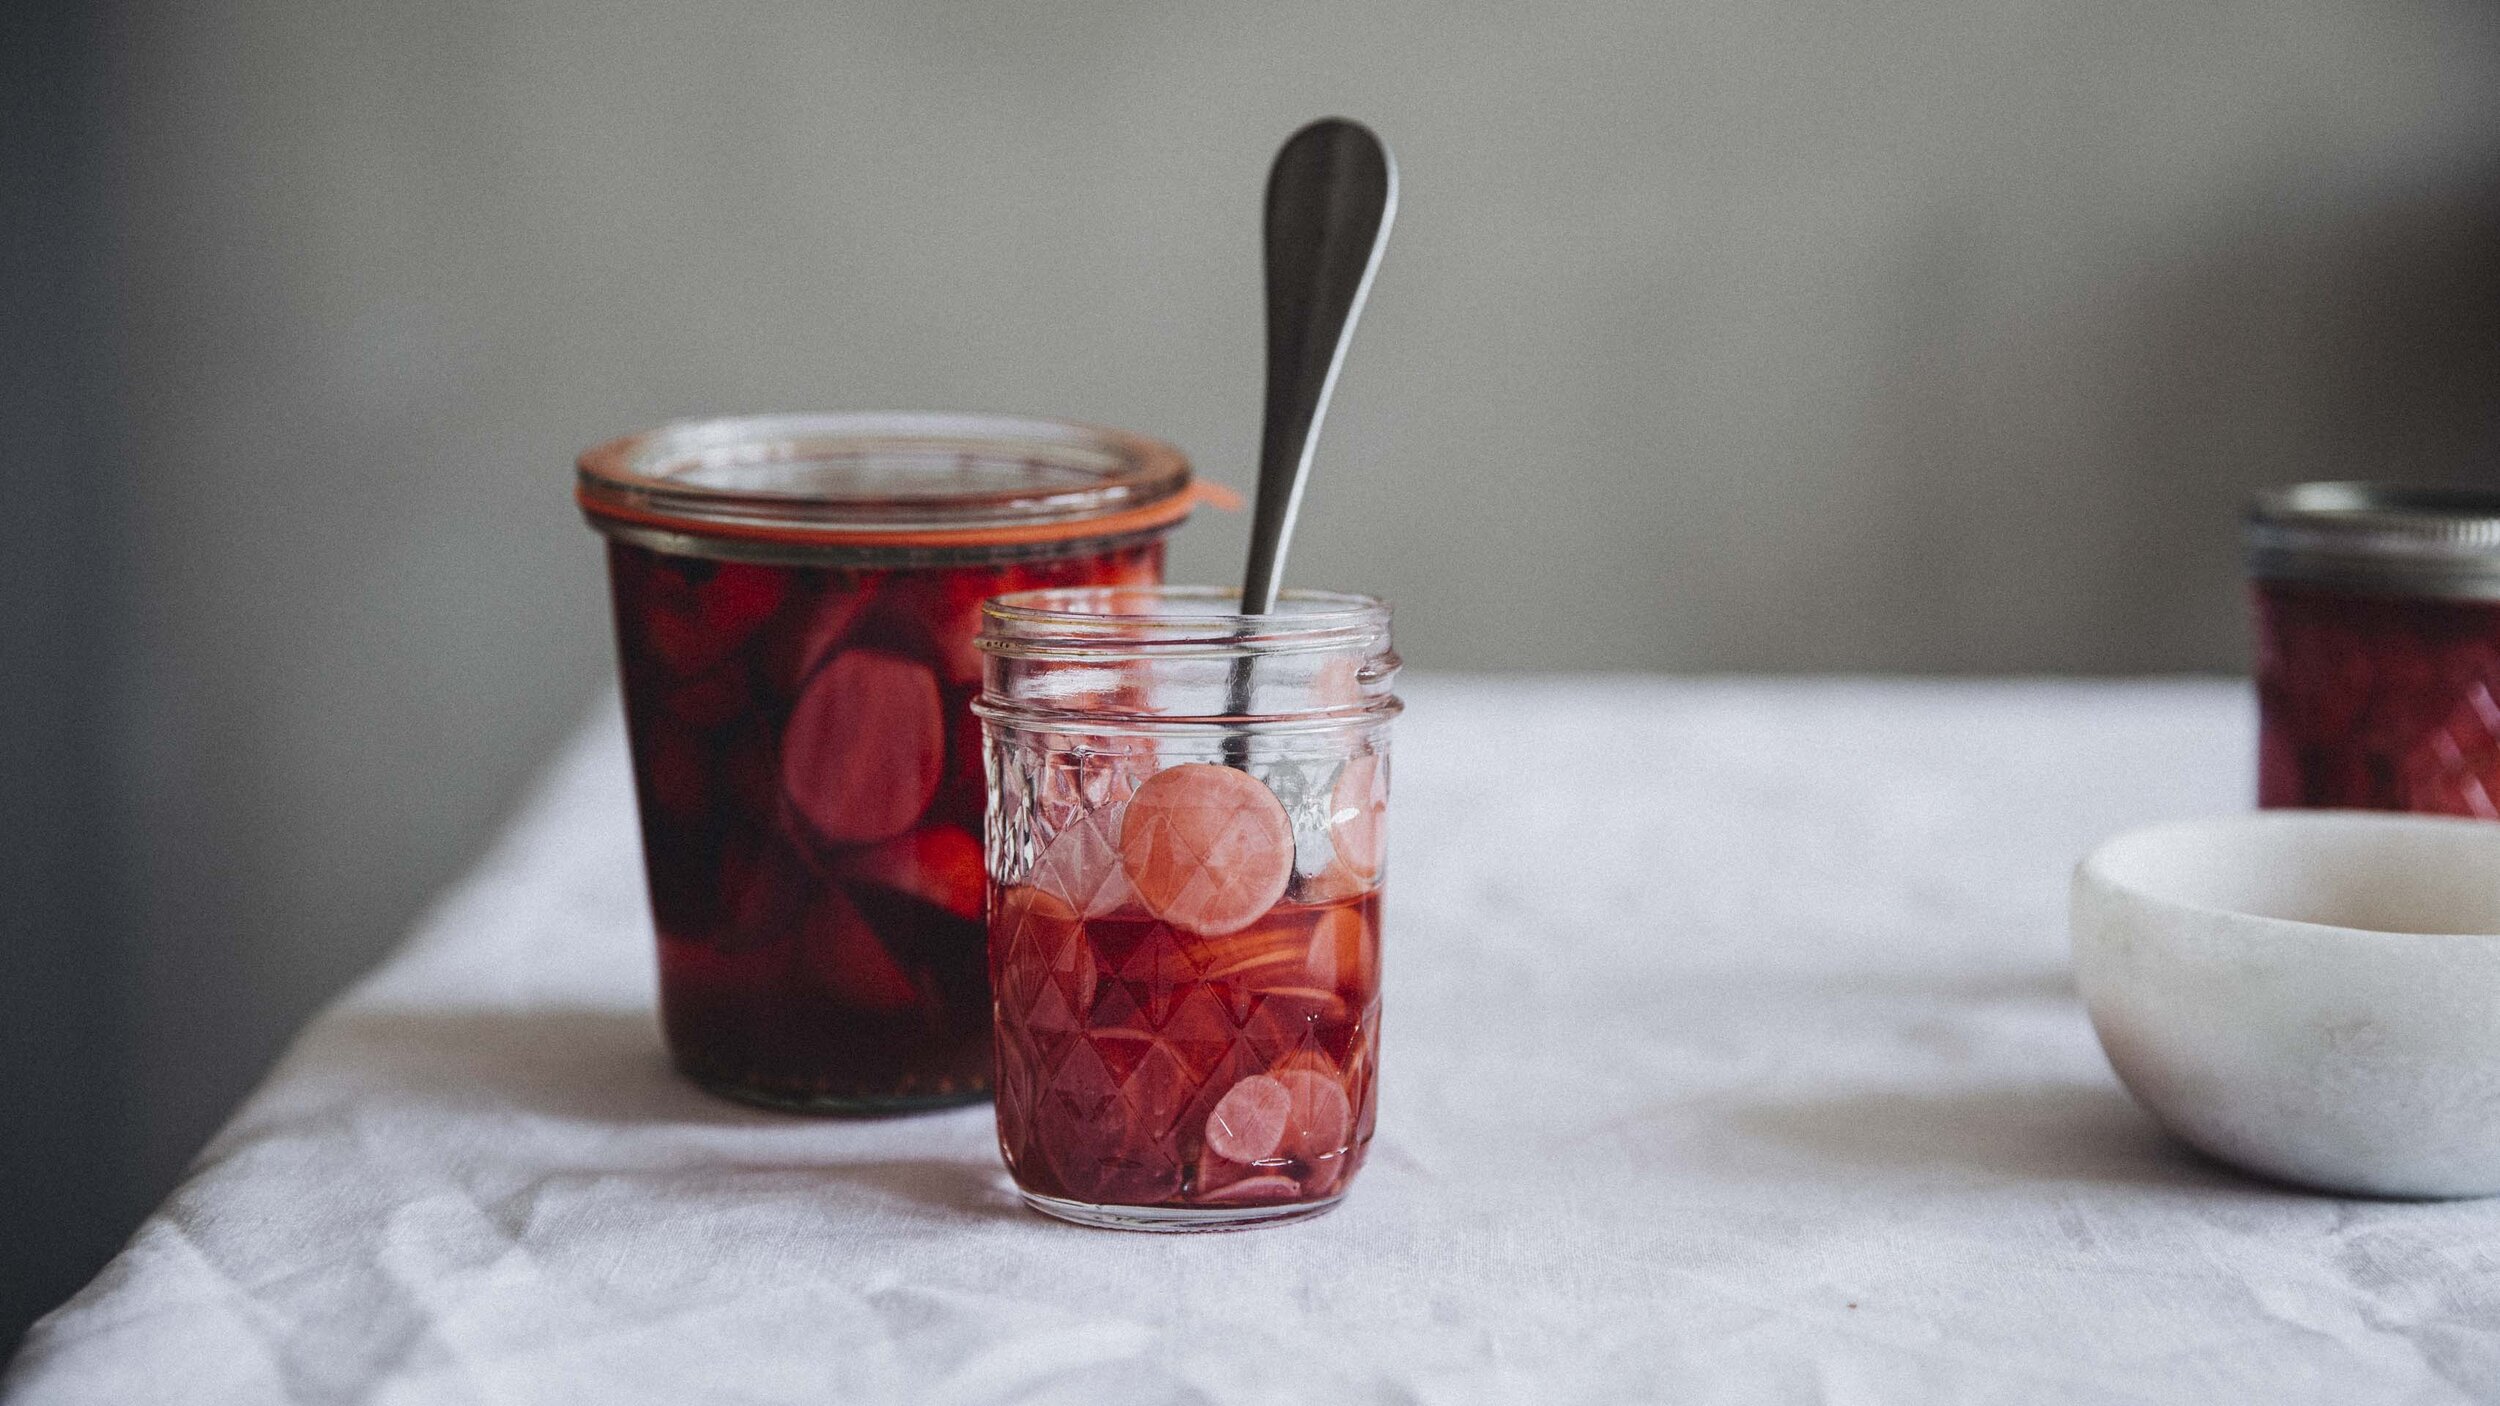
pixel 1730 1056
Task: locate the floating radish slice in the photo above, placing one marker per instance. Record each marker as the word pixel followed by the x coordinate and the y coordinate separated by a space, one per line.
pixel 1081 865
pixel 1206 847
pixel 793 653
pixel 865 746
pixel 1271 952
pixel 953 632
pixel 1358 815
pixel 1321 1115
pixel 937 864
pixel 1252 1191
pixel 843 954
pixel 1336 948
pixel 941 611
pixel 1248 1124
pixel 726 608
pixel 1342 955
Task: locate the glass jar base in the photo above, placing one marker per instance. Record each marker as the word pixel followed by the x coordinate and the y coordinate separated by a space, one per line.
pixel 835 1105
pixel 1176 1220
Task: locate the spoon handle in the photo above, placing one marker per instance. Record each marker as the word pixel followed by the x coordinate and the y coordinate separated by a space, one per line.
pixel 1330 198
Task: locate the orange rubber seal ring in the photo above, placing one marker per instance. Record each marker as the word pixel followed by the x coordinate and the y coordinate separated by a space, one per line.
pixel 1143 518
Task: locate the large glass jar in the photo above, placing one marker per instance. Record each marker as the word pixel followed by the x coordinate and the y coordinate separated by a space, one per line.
pixel 795 599
pixel 2378 647
pixel 1187 826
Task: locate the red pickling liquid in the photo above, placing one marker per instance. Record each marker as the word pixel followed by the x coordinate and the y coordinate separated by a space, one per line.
pixel 2378 702
pixel 811 790
pixel 1145 1064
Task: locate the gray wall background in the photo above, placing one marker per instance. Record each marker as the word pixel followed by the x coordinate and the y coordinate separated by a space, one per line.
pixel 1790 335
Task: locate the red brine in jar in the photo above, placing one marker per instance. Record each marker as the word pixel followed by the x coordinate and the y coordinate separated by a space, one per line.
pixel 798 678
pixel 2377 615
pixel 1186 1072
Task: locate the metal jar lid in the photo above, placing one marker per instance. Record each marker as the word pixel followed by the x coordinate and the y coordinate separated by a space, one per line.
pixel 2378 538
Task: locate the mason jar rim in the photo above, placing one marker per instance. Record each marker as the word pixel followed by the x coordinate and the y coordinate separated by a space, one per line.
pixel 1071 622
pixel 2377 537
pixel 885 481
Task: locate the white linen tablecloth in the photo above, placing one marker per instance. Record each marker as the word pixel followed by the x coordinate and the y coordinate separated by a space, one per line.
pixel 1730 1057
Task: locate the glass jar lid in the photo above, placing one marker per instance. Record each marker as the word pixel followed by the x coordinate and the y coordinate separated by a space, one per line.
pixel 2380 538
pixel 885 481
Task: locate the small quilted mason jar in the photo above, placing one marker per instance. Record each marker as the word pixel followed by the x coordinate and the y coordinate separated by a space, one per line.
pixel 2378 647
pixel 1186 841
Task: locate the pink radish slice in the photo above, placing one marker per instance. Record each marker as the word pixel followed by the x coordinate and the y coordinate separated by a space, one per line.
pixel 1081 866
pixel 1321 1115
pixel 726 608
pixel 1336 949
pixel 937 864
pixel 865 746
pixel 844 956
pixel 1249 1122
pixel 1206 847
pixel 793 653
pixel 1358 815
pixel 1252 1191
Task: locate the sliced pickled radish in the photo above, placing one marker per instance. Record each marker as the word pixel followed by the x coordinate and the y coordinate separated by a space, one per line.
pixel 1206 847
pixel 1251 1191
pixel 726 608
pixel 1335 955
pixel 937 864
pixel 953 631
pixel 793 655
pixel 865 746
pixel 1358 815
pixel 739 596
pixel 1272 952
pixel 1081 865
pixel 842 952
pixel 1249 1122
pixel 1321 1115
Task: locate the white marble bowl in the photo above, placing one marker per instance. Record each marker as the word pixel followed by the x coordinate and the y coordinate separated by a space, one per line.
pixel 2313 996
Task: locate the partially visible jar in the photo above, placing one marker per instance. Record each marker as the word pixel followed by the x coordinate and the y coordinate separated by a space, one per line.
pixel 796 598
pixel 2378 647
pixel 1187 847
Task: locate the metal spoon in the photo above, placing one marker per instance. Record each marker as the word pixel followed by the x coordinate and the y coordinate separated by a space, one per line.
pixel 1330 198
